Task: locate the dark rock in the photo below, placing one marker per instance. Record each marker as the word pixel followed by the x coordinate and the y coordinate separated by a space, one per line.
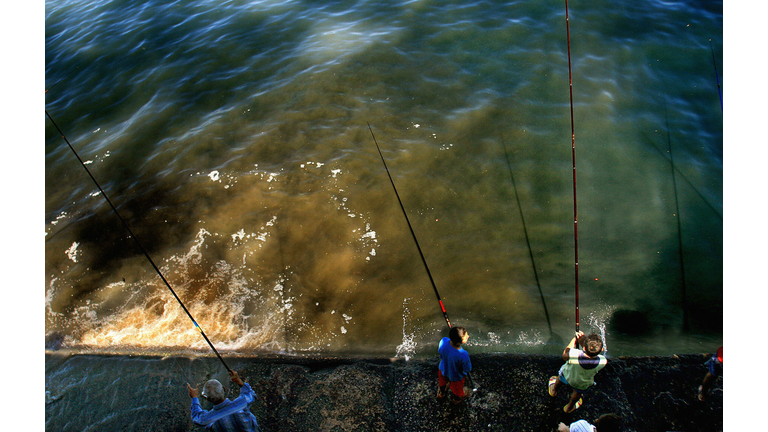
pixel 54 341
pixel 347 394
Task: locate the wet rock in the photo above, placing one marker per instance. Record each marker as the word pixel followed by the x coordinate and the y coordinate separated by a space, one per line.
pixel 347 394
pixel 54 341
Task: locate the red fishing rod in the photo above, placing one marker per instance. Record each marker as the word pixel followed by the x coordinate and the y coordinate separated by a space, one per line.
pixel 413 234
pixel 144 251
pixel 573 153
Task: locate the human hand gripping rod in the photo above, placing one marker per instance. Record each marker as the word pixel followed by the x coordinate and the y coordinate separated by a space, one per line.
pixel 434 287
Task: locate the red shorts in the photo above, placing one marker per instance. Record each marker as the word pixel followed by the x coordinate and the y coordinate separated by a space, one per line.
pixel 457 387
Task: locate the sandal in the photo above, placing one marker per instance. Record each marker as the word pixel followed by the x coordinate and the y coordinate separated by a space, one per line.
pixel 441 393
pixel 701 394
pixel 455 400
pixel 551 386
pixel 575 406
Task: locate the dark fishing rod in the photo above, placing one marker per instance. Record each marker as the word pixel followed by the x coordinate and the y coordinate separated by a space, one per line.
pixel 717 77
pixel 138 243
pixel 432 281
pixel 415 240
pixel 573 153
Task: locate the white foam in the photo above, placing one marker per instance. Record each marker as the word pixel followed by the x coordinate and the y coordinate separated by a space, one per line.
pixel 534 339
pixel 72 251
pixel 495 339
pixel 238 235
pixel 59 217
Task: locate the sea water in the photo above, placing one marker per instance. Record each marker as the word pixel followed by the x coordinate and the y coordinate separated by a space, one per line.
pixel 233 138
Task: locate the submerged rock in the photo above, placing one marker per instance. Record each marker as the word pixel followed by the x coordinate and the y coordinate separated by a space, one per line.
pixel 348 394
pixel 630 322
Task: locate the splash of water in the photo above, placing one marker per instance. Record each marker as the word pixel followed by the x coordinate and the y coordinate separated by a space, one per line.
pixel 149 317
pixel 599 319
pixel 534 339
pixel 407 349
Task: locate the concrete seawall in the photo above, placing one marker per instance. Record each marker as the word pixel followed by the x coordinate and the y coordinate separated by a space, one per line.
pixel 141 393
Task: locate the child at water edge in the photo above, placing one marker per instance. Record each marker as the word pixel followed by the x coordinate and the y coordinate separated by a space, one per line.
pixel 579 369
pixel 454 365
pixel 715 369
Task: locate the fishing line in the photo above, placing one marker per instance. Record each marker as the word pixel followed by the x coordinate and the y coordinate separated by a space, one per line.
pixel 57 82
pixel 413 234
pixel 573 152
pixel 717 77
pixel 682 176
pixel 135 239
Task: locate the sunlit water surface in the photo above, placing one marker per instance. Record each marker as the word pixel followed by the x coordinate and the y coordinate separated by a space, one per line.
pixel 233 138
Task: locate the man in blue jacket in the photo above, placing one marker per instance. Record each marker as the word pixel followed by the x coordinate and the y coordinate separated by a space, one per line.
pixel 226 415
pixel 454 365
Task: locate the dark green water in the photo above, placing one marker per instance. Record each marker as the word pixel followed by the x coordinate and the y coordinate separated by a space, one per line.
pixel 233 138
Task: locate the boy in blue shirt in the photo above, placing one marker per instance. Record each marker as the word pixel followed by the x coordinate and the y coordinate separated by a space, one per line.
pixel 454 365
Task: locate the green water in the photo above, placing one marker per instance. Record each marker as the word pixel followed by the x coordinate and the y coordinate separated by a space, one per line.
pixel 234 140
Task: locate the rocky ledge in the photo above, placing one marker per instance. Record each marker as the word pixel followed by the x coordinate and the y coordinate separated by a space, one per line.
pixel 142 393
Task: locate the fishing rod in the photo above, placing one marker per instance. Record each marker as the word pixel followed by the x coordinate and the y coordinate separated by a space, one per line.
pixel 434 287
pixel 717 77
pixel 413 234
pixel 573 152
pixel 141 247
